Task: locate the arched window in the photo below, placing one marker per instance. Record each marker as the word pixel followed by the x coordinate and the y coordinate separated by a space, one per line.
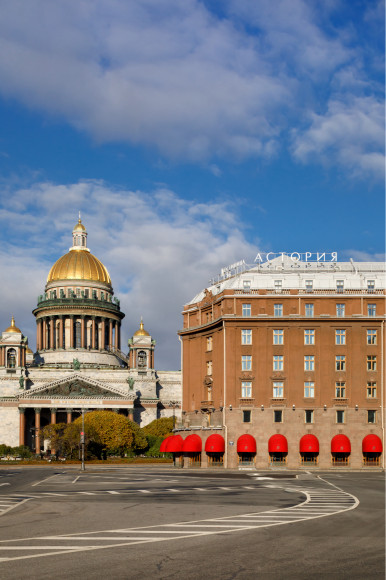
pixel 141 359
pixel 11 358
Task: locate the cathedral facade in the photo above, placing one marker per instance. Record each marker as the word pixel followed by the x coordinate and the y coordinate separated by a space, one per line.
pixel 78 364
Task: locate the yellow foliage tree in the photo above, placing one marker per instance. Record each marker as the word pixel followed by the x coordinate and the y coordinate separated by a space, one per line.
pixel 110 430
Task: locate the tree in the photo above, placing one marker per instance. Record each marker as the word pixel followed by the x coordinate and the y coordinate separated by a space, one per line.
pixel 140 442
pixel 54 432
pixel 108 430
pixel 160 427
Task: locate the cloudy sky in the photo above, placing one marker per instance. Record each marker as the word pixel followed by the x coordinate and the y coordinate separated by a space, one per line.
pixel 189 135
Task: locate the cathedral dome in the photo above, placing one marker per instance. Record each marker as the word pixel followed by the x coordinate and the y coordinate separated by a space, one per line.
pixel 13 328
pixel 79 265
pixel 141 331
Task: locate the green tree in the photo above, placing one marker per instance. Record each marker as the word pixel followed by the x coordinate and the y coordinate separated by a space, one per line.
pixel 140 441
pixel 159 427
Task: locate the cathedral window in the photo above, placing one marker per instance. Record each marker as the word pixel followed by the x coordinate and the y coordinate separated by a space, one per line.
pixel 11 358
pixel 142 359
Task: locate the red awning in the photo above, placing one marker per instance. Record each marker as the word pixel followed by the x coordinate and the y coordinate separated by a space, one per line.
pixel 309 444
pixel 164 443
pixel 246 444
pixel 340 444
pixel 371 444
pixel 174 444
pixel 192 444
pixel 215 444
pixel 277 444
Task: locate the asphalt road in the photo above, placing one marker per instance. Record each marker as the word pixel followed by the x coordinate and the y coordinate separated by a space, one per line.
pixel 164 523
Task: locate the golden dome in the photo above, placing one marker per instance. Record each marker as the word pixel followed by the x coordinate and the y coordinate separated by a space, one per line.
pixel 79 227
pixel 79 264
pixel 13 328
pixel 141 331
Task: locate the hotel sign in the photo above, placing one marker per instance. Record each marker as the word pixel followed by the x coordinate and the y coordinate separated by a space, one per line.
pixel 298 256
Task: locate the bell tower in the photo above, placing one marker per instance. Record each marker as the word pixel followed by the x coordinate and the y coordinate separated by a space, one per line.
pixel 141 356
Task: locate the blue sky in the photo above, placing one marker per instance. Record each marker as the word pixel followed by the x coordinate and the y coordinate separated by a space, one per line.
pixel 190 135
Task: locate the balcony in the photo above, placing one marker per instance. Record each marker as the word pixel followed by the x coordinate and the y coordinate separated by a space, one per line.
pixel 207 405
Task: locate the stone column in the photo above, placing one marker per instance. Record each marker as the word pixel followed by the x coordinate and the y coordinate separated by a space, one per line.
pixel 130 413
pixel 44 331
pixel 71 332
pixel 69 415
pixel 82 337
pixel 93 333
pixel 37 430
pixel 52 333
pixel 60 331
pixel 110 333
pixel 53 416
pixel 21 426
pixel 2 357
pixel 38 323
pixel 116 341
pixel 103 327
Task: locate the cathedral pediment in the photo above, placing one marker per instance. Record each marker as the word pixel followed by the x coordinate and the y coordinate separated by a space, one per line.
pixel 74 387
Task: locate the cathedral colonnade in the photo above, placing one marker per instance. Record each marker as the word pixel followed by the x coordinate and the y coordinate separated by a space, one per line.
pixel 73 331
pixel 33 419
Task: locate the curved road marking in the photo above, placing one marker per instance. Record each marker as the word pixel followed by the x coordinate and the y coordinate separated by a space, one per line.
pixel 319 503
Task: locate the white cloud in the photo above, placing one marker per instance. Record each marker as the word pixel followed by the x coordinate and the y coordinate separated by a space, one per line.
pixel 350 135
pixel 160 250
pixel 178 77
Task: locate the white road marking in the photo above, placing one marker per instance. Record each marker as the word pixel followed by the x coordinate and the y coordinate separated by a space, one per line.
pixel 43 480
pixel 114 492
pixel 307 510
pixel 76 479
pixel 5 484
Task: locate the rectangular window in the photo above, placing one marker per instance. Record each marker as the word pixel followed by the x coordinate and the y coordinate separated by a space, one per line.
pixel 209 367
pixel 370 286
pixel 278 309
pixel 371 363
pixel 340 362
pixel 371 390
pixel 278 284
pixel 340 309
pixel 209 343
pixel 278 416
pixel 246 336
pixel 308 416
pixel 278 363
pixel 371 416
pixel 309 336
pixel 309 363
pixel 340 390
pixel 247 286
pixel 78 292
pixel 309 390
pixel 246 310
pixel 309 309
pixel 278 389
pixel 340 416
pixel 340 336
pixel 86 293
pixel 246 389
pixel 371 310
pixel 371 337
pixel 278 336
pixel 340 286
pixel 246 416
pixel 246 363
pixel 309 285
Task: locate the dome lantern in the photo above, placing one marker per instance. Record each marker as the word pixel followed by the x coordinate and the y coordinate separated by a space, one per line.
pixel 79 236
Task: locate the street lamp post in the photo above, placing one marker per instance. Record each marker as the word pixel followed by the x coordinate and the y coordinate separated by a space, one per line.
pixel 82 468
